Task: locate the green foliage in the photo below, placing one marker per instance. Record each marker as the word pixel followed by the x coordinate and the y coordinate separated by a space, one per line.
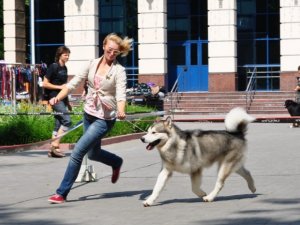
pixel 138 109
pixel 23 129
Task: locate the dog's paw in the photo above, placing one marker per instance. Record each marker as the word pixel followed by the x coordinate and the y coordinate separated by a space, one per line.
pixel 208 198
pixel 251 186
pixel 147 203
pixel 252 189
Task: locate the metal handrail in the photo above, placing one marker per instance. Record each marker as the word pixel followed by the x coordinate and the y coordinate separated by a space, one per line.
pixel 251 89
pixel 255 75
pixel 132 75
pixel 174 89
pixel 251 80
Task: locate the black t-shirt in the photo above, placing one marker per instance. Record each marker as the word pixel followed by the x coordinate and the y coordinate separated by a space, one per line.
pixel 57 75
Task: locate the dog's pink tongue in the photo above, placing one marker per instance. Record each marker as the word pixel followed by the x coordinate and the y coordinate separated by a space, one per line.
pixel 149 147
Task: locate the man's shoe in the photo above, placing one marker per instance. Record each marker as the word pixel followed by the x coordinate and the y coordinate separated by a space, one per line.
pixel 116 174
pixel 56 199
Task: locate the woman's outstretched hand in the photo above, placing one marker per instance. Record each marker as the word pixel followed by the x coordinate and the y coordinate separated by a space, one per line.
pixel 53 101
pixel 121 115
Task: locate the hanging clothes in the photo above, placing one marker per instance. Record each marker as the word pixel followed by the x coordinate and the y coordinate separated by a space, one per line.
pixel 25 84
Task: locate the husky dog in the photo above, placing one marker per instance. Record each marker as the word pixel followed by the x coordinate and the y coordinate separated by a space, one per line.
pixel 190 151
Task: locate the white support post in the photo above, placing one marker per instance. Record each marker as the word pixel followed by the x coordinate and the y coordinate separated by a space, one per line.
pixel 86 173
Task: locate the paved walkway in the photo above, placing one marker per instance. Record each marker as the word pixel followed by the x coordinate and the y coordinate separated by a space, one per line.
pixel 28 178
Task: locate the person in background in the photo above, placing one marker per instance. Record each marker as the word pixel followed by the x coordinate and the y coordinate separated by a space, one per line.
pixel 157 90
pixel 297 88
pixel 104 102
pixel 297 98
pixel 54 81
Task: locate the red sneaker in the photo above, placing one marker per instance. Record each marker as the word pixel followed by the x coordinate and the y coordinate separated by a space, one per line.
pixel 116 174
pixel 56 199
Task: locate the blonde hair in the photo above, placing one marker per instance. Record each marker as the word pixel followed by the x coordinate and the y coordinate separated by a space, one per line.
pixel 124 43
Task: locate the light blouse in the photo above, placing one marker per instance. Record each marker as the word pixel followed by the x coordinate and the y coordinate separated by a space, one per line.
pixel 103 91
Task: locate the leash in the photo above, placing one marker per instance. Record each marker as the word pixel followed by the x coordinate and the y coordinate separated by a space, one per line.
pixel 137 117
pixel 129 117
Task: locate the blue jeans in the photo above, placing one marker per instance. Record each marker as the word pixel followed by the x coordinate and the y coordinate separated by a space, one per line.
pixel 90 142
pixel 65 119
pixel 56 127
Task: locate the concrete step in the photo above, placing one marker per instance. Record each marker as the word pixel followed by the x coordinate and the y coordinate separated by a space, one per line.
pixel 214 103
pixel 252 112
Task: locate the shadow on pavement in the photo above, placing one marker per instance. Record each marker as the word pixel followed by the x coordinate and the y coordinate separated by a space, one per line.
pixel 142 193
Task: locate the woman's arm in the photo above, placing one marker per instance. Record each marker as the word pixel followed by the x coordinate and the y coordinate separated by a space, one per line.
pixel 72 84
pixel 121 109
pixel 121 93
pixel 48 85
pixel 61 95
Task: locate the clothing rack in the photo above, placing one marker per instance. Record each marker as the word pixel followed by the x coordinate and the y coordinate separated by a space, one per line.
pixel 20 81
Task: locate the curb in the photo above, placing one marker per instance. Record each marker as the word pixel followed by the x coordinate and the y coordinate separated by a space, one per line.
pixel 67 146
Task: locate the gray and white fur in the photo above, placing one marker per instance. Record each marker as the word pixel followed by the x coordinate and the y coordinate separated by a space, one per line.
pixel 190 151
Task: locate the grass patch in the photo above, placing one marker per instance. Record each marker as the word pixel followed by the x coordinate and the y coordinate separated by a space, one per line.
pixel 23 129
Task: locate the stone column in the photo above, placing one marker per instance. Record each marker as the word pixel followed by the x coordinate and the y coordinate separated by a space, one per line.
pixel 81 32
pixel 222 53
pixel 289 43
pixel 152 38
pixel 14 31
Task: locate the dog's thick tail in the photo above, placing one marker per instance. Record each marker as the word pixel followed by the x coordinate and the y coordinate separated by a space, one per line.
pixel 237 120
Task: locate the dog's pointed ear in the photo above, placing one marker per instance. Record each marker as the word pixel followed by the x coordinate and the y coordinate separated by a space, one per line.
pixel 157 119
pixel 169 122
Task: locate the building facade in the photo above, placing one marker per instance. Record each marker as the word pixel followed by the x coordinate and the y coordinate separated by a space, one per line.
pixel 203 45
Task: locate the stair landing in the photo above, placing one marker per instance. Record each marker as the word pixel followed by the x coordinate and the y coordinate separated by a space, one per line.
pixel 266 103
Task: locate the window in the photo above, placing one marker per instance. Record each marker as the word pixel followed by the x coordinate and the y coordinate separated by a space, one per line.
pixel 49 29
pixel 258 41
pixel 119 16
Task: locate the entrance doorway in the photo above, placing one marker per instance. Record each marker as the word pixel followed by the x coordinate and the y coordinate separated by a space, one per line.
pixel 188 64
